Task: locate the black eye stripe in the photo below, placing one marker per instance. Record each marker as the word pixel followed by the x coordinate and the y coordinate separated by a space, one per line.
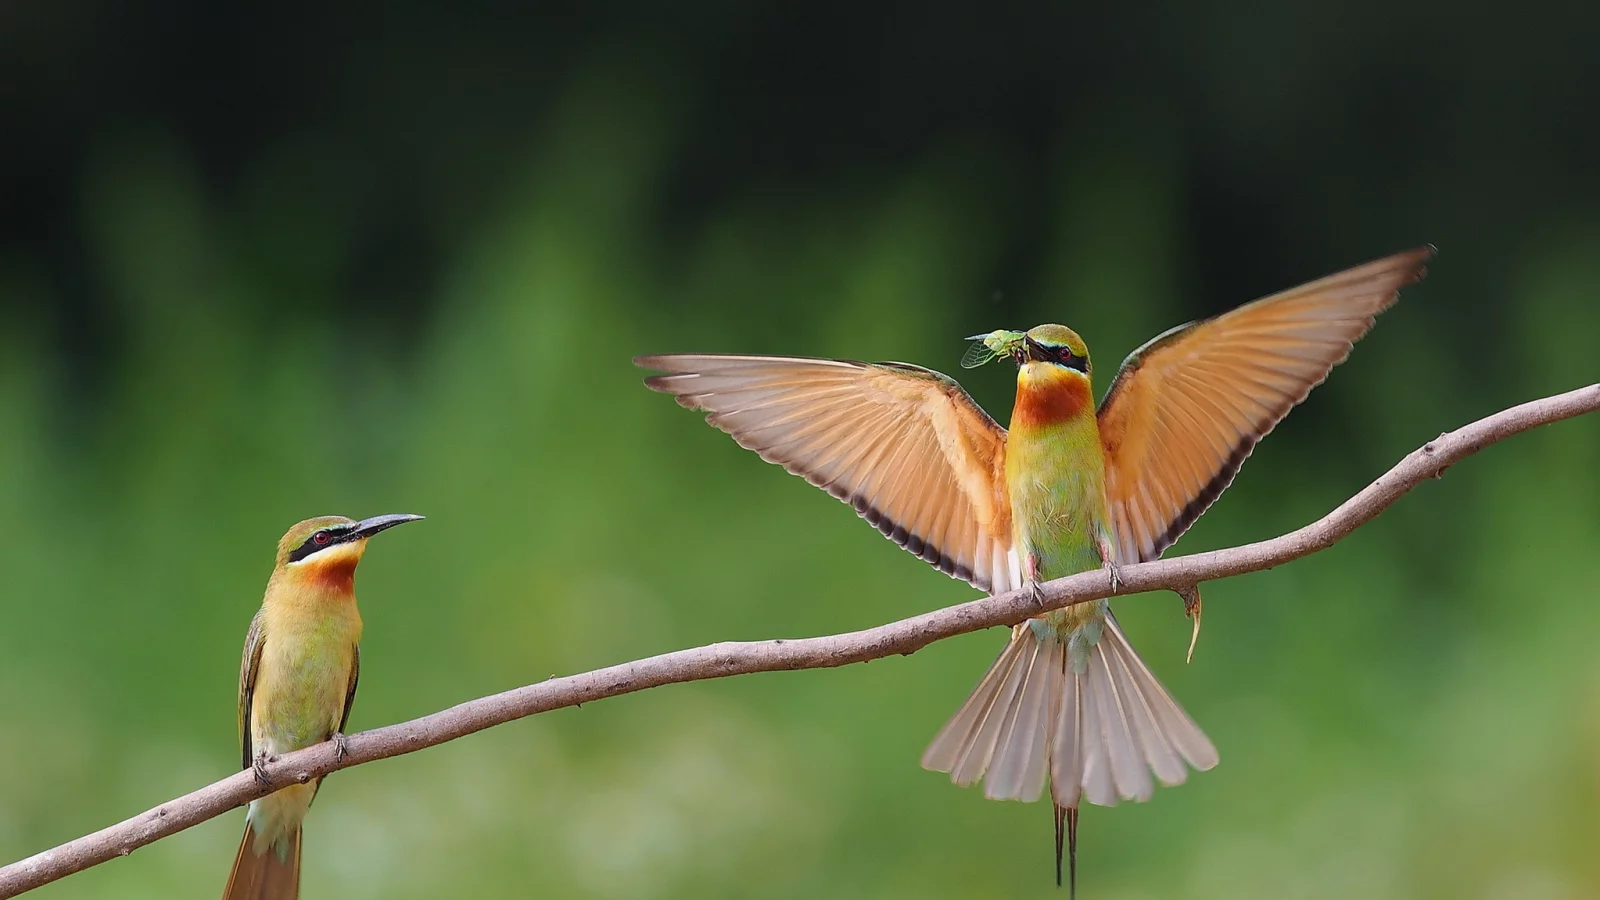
pixel 1058 352
pixel 335 535
pixel 1064 355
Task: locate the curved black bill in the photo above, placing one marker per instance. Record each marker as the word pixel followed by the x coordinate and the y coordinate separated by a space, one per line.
pixel 368 527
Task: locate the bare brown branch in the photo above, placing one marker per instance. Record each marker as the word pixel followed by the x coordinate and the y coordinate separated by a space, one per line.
pixel 722 660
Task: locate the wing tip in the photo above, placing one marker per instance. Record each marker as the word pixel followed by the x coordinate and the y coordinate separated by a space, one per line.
pixel 664 384
pixel 1392 273
pixel 1416 262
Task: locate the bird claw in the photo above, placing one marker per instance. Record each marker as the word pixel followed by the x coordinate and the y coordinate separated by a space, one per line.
pixel 259 767
pixel 1038 594
pixel 1108 556
pixel 341 746
pixel 1116 577
pixel 1191 608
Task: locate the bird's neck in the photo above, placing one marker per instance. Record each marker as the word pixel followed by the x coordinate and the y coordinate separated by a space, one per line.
pixel 320 593
pixel 1049 396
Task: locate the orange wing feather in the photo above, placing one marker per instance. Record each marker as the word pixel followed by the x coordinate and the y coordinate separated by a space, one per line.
pixel 904 446
pixel 1187 408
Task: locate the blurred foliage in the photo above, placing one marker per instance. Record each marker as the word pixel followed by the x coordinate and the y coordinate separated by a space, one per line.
pixel 259 264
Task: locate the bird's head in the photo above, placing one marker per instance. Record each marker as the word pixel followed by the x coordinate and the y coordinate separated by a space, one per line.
pixel 330 546
pixel 1055 345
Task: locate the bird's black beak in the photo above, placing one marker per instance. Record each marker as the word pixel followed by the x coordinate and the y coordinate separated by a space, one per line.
pixel 368 527
pixel 1030 351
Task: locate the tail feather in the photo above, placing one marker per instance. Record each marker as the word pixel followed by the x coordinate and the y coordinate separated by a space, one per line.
pixel 1099 733
pixel 956 749
pixel 1066 753
pixel 980 750
pixel 1168 717
pixel 267 875
pixel 1021 756
pixel 1067 827
pixel 1155 745
pixel 1114 767
pixel 1093 779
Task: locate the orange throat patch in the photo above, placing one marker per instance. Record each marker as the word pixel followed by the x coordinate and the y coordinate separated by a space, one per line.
pixel 338 575
pixel 1050 395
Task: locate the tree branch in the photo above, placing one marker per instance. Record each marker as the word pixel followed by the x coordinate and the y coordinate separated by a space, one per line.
pixel 739 658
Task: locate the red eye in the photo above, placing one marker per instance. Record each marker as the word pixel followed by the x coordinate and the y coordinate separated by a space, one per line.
pixel 320 537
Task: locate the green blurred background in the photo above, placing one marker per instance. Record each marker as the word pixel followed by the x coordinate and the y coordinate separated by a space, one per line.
pixel 270 261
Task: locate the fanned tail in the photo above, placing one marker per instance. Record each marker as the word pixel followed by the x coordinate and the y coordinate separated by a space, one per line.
pixel 273 874
pixel 1097 729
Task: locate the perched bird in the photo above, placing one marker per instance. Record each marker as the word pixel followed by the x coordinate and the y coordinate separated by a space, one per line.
pixel 1067 489
pixel 296 683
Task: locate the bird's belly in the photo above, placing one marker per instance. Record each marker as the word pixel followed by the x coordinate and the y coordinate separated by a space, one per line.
pixel 1058 539
pixel 300 694
pixel 1059 515
pixel 1058 506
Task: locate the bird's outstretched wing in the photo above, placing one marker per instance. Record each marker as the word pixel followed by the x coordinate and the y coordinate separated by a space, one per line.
pixel 1187 408
pixel 905 446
